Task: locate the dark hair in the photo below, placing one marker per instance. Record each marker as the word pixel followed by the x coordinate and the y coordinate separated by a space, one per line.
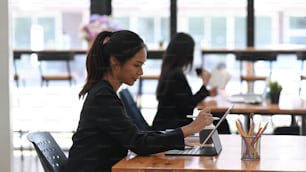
pixel 178 55
pixel 122 44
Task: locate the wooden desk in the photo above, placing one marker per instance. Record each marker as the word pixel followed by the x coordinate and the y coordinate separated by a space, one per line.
pixel 252 55
pixel 287 106
pixel 278 153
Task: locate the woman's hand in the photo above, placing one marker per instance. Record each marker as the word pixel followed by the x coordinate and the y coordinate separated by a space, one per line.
pixel 205 75
pixel 203 119
pixel 213 91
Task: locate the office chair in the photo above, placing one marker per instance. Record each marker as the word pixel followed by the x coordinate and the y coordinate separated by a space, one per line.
pixel 293 129
pixel 290 130
pixel 132 110
pixel 50 154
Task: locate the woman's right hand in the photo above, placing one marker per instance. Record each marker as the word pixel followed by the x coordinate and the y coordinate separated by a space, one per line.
pixel 205 75
pixel 213 91
pixel 203 119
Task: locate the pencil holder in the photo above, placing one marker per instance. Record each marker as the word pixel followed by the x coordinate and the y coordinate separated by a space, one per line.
pixel 250 148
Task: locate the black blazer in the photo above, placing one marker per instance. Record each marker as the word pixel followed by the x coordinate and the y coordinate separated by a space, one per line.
pixel 105 133
pixel 177 101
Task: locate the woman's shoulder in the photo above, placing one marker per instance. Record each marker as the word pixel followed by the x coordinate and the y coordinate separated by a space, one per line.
pixel 103 87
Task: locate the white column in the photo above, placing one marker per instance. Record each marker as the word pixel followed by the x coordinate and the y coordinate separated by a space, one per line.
pixel 6 150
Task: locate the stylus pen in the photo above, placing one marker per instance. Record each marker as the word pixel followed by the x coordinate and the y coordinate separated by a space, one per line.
pixel 191 116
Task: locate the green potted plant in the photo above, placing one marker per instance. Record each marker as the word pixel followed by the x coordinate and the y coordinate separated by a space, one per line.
pixel 274 91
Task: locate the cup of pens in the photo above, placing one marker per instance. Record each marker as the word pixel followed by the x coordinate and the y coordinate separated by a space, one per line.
pixel 250 148
pixel 250 140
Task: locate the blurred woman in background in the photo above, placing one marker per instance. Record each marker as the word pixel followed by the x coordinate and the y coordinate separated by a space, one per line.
pixel 174 94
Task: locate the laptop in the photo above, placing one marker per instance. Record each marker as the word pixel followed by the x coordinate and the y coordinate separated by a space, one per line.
pixel 213 148
pixel 250 98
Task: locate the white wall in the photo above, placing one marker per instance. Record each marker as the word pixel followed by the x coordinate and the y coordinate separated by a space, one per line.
pixel 6 150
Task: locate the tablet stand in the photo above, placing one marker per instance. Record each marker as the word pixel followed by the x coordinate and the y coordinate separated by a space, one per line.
pixel 213 145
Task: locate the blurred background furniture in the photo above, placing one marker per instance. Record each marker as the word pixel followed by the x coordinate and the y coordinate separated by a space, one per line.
pixel 140 85
pixel 251 57
pixel 16 74
pixel 16 64
pixel 45 60
pixel 302 57
pixel 288 105
pixel 293 129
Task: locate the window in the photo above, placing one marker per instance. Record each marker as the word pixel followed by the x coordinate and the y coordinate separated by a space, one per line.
pixel 297 30
pixel 22 30
pixel 165 29
pixel 263 31
pixel 297 23
pixel 124 22
pixel 23 27
pixel 297 40
pixel 240 32
pixel 48 25
pixel 218 32
pixel 196 28
pixel 146 28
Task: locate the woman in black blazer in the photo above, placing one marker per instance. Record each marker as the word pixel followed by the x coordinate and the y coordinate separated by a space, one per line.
pixel 105 132
pixel 174 95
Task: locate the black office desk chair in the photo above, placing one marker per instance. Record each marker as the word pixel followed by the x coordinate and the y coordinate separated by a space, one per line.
pixel 132 110
pixel 50 154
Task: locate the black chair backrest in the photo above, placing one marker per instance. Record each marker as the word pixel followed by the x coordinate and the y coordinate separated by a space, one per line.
pixel 50 154
pixel 291 130
pixel 132 110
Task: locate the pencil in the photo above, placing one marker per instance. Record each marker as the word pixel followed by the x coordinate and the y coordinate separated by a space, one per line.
pixel 191 116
